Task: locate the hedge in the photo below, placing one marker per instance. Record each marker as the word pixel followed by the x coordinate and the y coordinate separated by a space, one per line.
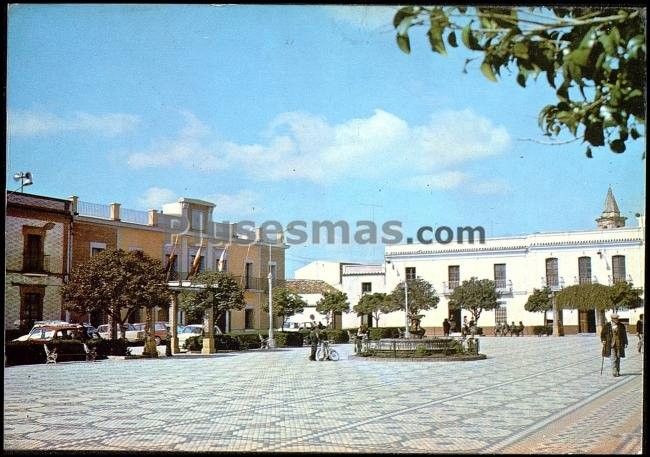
pixel 377 333
pixel 540 330
pixel 337 336
pixel 288 339
pixel 31 352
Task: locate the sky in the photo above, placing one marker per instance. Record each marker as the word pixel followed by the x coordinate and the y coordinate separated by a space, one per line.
pixel 291 113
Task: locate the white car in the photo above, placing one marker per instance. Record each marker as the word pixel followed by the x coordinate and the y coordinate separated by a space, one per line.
pixel 131 333
pixel 191 330
pixel 296 326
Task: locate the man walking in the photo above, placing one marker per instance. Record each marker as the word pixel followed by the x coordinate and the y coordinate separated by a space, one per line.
pixel 446 326
pixel 614 339
pixel 639 332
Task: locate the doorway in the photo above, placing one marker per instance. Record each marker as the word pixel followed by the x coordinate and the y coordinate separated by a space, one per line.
pixel 586 321
pixel 454 314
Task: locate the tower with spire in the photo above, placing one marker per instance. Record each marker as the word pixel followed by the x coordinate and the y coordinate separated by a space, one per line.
pixel 611 216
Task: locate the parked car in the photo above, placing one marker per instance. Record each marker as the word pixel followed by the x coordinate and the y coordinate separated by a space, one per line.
pixel 161 331
pixel 296 326
pixel 129 332
pixel 191 330
pixel 46 331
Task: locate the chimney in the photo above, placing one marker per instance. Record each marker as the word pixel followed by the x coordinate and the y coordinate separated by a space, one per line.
pixel 114 212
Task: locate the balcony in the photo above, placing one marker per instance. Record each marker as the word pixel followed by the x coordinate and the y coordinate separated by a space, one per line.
pixel 38 264
pixel 448 287
pixel 554 283
pixel 250 283
pixel 503 287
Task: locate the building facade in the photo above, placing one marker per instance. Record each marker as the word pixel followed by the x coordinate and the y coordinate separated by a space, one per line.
pixel 517 264
pixel 37 258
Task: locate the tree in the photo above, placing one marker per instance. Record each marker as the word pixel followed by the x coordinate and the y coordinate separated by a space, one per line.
pixel 476 296
pixel 375 304
pixel 285 303
pixel 621 295
pixel 114 281
pixel 421 297
pixel 217 290
pixel 540 301
pixel 332 303
pixel 596 55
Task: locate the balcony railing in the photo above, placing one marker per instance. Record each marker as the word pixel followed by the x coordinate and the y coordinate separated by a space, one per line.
pixel 503 286
pixel 448 287
pixel 36 264
pixel 554 283
pixel 250 283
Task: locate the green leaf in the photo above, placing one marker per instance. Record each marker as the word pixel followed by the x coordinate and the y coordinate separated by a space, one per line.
pixel 469 40
pixel 451 39
pixel 435 38
pixel 594 134
pixel 520 50
pixel 618 146
pixel 404 43
pixel 486 69
pixel 634 133
pixel 588 153
pixel 401 15
pixel 521 79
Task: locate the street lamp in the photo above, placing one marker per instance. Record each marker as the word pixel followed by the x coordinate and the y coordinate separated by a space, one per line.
pixel 407 333
pixel 25 179
pixel 271 339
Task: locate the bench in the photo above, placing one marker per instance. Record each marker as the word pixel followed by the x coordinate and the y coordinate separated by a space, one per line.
pixel 264 342
pixel 52 355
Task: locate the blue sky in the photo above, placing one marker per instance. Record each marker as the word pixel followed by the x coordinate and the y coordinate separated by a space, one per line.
pixel 290 113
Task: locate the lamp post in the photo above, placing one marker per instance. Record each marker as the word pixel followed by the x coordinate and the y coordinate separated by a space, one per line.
pixel 271 341
pixel 407 333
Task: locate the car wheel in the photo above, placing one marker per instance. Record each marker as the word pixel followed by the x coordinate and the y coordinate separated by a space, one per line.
pixel 157 340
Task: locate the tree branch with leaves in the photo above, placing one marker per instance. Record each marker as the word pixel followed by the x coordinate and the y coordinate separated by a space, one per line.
pixel 593 58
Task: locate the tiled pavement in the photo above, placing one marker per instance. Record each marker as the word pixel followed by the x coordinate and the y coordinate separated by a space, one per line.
pixel 531 395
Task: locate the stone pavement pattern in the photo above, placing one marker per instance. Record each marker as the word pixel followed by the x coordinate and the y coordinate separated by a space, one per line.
pixel 531 395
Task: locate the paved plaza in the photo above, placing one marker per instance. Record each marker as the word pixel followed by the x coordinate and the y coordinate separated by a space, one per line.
pixel 531 395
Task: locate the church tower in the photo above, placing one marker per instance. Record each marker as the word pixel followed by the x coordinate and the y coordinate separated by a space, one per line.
pixel 611 216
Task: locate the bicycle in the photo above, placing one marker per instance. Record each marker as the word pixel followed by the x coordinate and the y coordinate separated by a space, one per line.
pixel 325 352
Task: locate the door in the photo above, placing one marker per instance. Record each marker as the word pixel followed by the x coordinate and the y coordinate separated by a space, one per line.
pixel 454 316
pixel 586 321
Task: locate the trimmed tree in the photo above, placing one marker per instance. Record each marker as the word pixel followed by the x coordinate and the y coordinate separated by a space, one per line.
pixel 375 304
pixel 475 296
pixel 285 303
pixel 593 58
pixel 218 290
pixel 114 281
pixel 621 295
pixel 421 296
pixel 539 301
pixel 332 303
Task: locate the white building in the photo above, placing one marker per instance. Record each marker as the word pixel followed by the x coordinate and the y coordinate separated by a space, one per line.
pixel 518 264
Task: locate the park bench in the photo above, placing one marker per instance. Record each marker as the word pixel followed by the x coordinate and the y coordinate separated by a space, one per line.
pixel 52 355
pixel 264 342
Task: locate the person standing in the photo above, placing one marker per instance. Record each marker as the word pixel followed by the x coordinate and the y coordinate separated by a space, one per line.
pixel 313 343
pixel 446 326
pixel 639 332
pixel 452 324
pixel 614 339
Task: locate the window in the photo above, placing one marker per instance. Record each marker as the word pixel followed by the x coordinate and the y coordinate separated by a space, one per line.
pixel 96 248
pixel 248 319
pixel 198 220
pixel 500 313
pixel 552 279
pixel 201 262
pixel 500 275
pixel 410 273
pixel 248 273
pixel 273 271
pixel 224 265
pixel 618 268
pixel 366 287
pixel 584 270
pixel 33 253
pixel 453 272
pixel 31 308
